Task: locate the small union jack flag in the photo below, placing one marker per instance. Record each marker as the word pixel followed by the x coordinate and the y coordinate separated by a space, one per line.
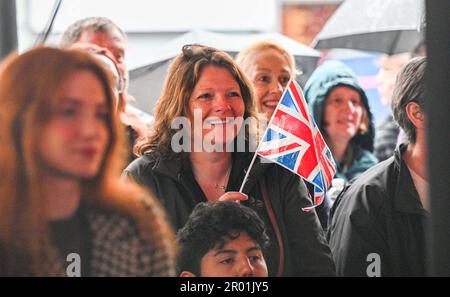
pixel 293 141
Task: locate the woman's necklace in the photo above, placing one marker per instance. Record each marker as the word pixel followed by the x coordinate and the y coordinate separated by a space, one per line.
pixel 223 187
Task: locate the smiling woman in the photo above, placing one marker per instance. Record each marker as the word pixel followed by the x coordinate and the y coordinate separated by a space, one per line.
pixel 60 162
pixel 270 67
pixel 206 81
pixel 217 100
pixel 341 110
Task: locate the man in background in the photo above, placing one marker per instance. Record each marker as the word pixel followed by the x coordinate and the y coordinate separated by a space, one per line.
pixel 387 132
pixel 105 39
pixel 379 222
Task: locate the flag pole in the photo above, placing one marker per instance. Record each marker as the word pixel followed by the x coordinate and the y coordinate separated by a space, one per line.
pixel 255 154
pixel 248 171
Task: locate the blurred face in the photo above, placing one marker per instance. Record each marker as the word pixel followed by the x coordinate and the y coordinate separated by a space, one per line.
pixel 241 257
pixel 389 67
pixel 75 137
pixel 216 106
pixel 343 113
pixel 114 41
pixel 270 72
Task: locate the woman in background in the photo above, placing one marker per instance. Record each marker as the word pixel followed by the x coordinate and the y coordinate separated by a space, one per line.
pixel 341 110
pixel 270 67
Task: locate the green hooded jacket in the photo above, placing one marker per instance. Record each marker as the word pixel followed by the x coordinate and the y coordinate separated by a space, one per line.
pixel 326 77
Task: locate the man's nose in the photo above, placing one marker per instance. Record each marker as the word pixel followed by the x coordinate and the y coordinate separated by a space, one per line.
pixel 245 268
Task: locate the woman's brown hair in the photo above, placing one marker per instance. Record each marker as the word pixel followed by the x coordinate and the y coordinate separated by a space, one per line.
pixel 29 85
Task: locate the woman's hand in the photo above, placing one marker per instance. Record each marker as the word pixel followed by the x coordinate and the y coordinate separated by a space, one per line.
pixel 233 196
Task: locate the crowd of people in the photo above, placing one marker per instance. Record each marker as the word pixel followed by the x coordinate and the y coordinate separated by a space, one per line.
pixel 85 174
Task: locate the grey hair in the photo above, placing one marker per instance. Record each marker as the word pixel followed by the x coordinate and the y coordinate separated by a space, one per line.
pixel 96 24
pixel 409 87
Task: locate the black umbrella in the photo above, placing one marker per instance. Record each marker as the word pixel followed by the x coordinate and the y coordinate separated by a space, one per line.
pixel 387 26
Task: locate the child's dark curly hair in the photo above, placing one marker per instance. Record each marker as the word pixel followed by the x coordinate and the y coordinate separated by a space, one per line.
pixel 212 224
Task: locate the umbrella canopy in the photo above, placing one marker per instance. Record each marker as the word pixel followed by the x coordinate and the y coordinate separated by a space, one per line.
pixel 387 26
pixel 146 81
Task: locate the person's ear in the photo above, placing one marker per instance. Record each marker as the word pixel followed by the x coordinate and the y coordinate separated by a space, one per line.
pixel 187 274
pixel 364 124
pixel 415 115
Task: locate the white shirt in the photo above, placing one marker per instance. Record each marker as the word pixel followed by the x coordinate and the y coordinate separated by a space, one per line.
pixel 422 188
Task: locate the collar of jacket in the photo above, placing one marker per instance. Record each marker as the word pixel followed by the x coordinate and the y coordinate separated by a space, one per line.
pixel 180 166
pixel 406 198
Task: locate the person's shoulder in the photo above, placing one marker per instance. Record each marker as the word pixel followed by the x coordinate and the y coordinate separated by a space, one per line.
pixel 144 163
pixel 375 175
pixel 366 157
pixel 133 232
pixel 111 225
pixel 370 189
pixel 138 217
pixel 362 160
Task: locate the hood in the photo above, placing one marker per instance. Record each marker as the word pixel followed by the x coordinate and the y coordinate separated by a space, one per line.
pixel 326 77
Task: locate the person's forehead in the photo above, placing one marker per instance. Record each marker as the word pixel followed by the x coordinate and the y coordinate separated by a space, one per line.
pixel 341 89
pixel 242 242
pixel 82 87
pixel 217 75
pixel 394 61
pixel 268 57
pixel 102 38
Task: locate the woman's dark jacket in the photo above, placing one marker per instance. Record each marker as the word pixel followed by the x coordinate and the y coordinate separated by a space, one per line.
pixel 306 251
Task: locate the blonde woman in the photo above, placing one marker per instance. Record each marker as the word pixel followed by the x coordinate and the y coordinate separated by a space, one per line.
pixel 60 158
pixel 270 67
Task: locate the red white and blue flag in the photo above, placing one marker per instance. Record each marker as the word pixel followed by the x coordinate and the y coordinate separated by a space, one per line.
pixel 293 141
